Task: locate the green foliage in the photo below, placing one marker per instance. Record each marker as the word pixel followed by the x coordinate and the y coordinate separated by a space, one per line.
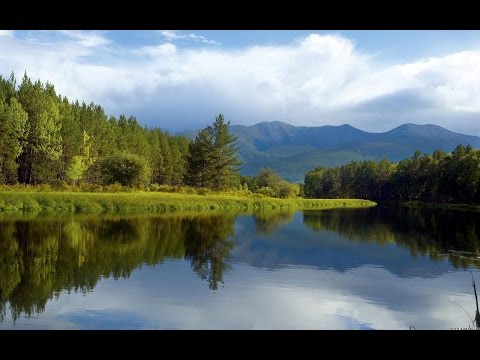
pixel 77 168
pixel 40 158
pixel 225 163
pixel 212 160
pixel 266 191
pixel 80 163
pixel 287 190
pixel 13 130
pixel 269 183
pixel 125 169
pixel 45 139
pixel 440 177
pixel 200 160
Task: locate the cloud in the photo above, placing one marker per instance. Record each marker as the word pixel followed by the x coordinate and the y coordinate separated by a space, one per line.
pixel 86 38
pixel 170 296
pixel 314 80
pixel 6 32
pixel 172 35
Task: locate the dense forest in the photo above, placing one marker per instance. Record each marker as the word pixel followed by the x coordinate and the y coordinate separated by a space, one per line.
pixel 441 177
pixel 46 139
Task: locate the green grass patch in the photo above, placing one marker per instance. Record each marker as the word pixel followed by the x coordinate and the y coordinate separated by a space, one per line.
pixel 143 202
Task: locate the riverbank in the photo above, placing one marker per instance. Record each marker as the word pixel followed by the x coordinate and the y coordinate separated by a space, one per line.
pixel 141 202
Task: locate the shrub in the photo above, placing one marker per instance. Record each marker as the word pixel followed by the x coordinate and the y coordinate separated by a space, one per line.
pixel 266 191
pixel 125 169
pixel 287 190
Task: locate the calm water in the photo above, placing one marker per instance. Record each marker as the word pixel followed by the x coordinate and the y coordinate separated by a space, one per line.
pixel 374 268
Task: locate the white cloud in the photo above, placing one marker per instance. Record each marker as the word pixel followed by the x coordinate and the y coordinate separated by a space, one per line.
pixel 86 38
pixel 6 32
pixel 319 79
pixel 172 35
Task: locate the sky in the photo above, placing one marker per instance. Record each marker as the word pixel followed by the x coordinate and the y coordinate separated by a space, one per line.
pixel 181 79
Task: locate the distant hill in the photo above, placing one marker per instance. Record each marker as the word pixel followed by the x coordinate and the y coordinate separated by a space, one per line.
pixel 293 150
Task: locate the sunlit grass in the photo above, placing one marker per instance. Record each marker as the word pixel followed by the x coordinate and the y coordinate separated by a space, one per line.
pixel 140 201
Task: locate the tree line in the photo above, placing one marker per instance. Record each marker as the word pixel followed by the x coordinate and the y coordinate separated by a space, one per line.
pixel 439 177
pixel 46 139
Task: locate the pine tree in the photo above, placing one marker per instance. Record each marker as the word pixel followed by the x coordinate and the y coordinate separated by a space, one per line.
pixel 166 177
pixel 40 159
pixel 13 129
pixel 200 159
pixel 155 156
pixel 225 163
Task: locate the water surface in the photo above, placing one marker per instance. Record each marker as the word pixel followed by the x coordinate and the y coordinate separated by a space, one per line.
pixel 376 268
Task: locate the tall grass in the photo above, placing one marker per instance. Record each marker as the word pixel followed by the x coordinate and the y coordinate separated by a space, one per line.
pixel 14 201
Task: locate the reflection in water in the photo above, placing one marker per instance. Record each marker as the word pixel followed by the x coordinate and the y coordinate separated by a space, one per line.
pixel 41 258
pixel 333 269
pixel 439 234
pixel 269 222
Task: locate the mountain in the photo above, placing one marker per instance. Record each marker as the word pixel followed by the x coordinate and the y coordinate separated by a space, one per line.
pixel 293 150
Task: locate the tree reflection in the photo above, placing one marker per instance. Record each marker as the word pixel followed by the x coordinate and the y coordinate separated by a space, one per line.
pixel 439 234
pixel 268 222
pixel 207 247
pixel 41 258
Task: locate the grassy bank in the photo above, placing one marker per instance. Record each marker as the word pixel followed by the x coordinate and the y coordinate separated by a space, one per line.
pixel 138 202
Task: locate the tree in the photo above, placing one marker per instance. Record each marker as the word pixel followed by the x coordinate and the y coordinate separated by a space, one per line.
pixel 224 155
pixel 125 169
pixel 40 158
pixel 80 163
pixel 269 183
pixel 13 129
pixel 166 176
pixel 71 135
pixel 212 160
pixel 200 159
pixel 156 156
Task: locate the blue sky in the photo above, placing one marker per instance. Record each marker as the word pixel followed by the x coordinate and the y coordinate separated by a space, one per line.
pixel 374 80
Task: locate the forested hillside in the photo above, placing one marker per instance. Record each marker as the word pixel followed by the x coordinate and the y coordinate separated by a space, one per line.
pixel 293 150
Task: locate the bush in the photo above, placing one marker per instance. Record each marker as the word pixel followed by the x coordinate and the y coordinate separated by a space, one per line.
pixel 266 191
pixel 203 191
pixel 87 187
pixel 287 190
pixel 116 187
pixel 126 169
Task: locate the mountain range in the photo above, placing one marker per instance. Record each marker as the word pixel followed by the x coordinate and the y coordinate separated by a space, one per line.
pixel 293 150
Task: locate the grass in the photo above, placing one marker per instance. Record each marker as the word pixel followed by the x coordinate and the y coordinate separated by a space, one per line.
pixel 141 202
